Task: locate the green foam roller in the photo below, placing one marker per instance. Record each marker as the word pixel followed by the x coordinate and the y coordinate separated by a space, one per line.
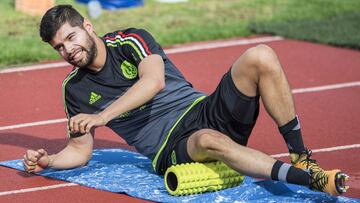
pixel 194 178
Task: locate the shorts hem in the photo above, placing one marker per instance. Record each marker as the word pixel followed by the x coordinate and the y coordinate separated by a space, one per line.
pixel 238 92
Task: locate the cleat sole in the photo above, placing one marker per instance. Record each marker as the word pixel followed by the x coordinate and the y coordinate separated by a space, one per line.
pixel 340 181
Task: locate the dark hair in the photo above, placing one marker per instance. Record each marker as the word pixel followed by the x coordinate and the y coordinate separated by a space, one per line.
pixel 55 17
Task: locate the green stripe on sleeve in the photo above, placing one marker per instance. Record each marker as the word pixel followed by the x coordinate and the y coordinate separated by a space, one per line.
pixel 129 42
pixel 64 98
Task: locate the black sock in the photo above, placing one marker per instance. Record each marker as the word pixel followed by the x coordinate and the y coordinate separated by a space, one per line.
pixel 285 172
pixel 292 136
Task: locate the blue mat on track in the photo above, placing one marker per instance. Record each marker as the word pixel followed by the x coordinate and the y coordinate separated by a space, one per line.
pixel 123 171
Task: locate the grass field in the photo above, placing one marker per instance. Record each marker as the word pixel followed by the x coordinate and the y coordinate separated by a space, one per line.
pixel 197 20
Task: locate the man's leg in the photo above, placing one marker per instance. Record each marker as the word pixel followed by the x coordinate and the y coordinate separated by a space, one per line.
pixel 208 144
pixel 258 71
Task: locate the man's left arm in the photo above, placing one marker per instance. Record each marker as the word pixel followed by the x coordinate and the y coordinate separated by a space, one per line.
pixel 151 82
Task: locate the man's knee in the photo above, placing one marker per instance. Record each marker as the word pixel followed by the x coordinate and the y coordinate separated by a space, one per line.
pixel 209 143
pixel 268 62
pixel 204 138
pixel 262 58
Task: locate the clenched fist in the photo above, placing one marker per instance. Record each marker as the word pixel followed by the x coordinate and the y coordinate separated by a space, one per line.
pixel 36 161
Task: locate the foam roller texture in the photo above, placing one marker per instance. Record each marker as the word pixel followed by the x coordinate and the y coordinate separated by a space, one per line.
pixel 194 178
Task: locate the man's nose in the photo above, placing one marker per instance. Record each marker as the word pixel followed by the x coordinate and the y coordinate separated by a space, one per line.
pixel 68 48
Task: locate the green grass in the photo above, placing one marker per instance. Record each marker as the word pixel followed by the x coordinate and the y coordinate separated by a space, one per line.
pixel 342 29
pixel 197 20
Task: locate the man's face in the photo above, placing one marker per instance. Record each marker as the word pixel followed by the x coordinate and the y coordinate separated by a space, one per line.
pixel 75 45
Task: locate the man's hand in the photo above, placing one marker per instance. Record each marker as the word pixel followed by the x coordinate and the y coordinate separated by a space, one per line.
pixel 36 161
pixel 83 123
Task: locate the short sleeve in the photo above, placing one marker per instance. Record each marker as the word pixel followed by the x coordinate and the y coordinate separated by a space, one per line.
pixel 138 44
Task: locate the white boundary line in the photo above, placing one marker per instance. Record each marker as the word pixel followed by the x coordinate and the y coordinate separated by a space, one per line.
pixel 326 87
pixel 35 67
pixel 330 149
pixel 295 91
pixel 12 192
pixel 221 44
pixel 210 45
pixel 23 125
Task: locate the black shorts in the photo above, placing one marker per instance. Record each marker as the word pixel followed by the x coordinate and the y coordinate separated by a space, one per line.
pixel 226 110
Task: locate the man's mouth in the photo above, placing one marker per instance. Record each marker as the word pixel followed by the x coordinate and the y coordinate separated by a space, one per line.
pixel 76 56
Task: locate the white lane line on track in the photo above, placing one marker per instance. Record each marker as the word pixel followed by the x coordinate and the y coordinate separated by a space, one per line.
pixel 222 44
pixel 326 87
pixel 330 149
pixel 210 45
pixel 35 67
pixel 23 125
pixel 12 192
pixel 295 91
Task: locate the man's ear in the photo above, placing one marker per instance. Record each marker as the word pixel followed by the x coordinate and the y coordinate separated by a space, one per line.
pixel 88 26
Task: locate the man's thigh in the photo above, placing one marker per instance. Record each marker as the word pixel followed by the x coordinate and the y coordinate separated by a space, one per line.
pixel 226 110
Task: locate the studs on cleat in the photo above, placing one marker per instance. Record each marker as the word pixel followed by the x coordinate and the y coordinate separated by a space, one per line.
pixel 343 189
pixel 341 179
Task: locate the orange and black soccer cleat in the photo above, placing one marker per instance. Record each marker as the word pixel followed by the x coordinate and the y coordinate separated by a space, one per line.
pixel 332 182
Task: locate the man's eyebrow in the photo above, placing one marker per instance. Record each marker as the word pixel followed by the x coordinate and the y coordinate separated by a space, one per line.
pixel 71 33
pixel 67 37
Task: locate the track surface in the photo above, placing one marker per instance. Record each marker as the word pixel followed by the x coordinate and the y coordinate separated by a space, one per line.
pixel 329 118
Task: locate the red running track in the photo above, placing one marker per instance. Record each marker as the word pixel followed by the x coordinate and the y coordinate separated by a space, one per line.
pixel 329 118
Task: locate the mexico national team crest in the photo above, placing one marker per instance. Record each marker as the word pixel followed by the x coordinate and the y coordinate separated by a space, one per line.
pixel 128 70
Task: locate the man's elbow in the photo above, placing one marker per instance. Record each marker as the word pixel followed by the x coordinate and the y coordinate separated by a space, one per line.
pixel 153 83
pixel 86 159
pixel 156 84
pixel 160 85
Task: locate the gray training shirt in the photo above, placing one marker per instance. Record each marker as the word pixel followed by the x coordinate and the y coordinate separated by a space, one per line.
pixel 147 126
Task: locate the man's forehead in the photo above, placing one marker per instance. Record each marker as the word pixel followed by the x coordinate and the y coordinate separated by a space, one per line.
pixel 66 28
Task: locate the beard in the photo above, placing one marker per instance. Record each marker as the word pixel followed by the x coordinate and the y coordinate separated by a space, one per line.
pixel 90 53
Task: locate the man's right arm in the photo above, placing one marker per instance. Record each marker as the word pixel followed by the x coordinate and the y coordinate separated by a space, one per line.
pixel 77 153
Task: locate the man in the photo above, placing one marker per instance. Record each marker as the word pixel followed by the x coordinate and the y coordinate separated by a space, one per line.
pixel 126 82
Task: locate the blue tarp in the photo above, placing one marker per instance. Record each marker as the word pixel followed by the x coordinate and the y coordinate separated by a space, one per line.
pixel 123 171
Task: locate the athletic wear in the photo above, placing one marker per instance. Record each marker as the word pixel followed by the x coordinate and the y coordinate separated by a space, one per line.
pixel 303 160
pixel 147 126
pixel 332 182
pixel 292 136
pixel 287 173
pixel 226 110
